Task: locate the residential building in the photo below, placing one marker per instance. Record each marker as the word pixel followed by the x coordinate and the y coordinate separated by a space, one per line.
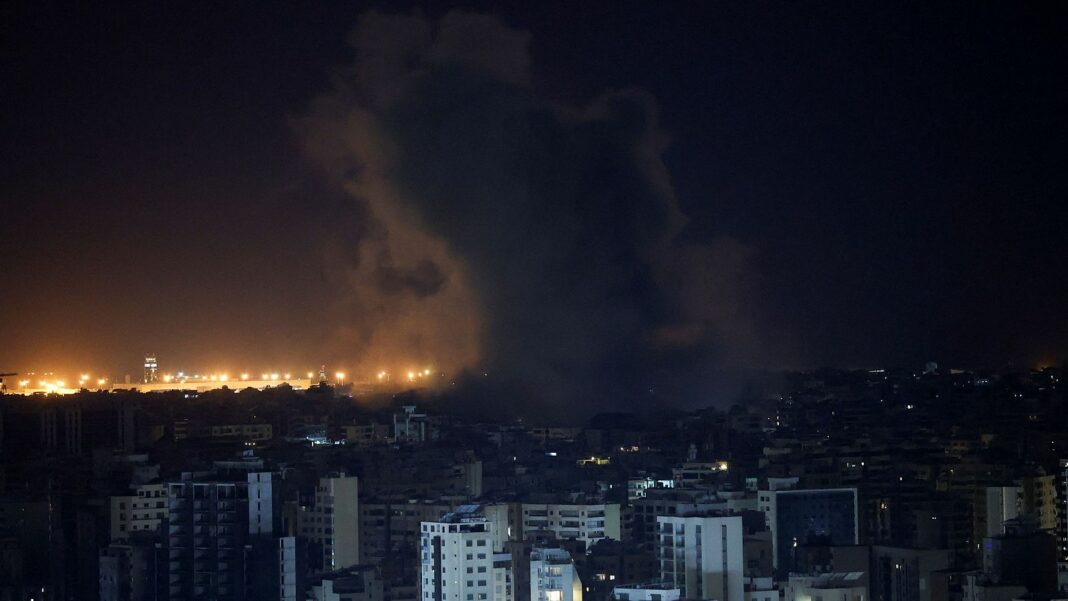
pixel 292 567
pixel 553 576
pixel 589 523
pixel 459 562
pixel 1002 504
pixel 207 530
pixel 899 574
pixel 355 583
pixel 142 511
pixel 264 508
pixel 837 586
pixel 410 427
pixel 334 522
pixel 131 571
pixel 1039 498
pixel 702 555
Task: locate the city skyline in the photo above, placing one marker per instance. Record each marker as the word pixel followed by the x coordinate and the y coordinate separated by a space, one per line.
pixel 661 198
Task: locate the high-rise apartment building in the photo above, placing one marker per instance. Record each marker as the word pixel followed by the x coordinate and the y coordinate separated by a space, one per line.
pixel 1062 513
pixel 334 521
pixel 207 528
pixel 1002 504
pixel 459 562
pixel 702 555
pixel 553 576
pixel 264 508
pixel 291 568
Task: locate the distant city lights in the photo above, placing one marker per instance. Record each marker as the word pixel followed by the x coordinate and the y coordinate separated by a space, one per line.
pixel 48 383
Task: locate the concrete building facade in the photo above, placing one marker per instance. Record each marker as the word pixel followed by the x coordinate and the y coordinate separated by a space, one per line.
pixel 702 555
pixel 553 576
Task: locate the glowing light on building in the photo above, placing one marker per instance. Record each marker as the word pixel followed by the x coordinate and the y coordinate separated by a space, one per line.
pixel 151 368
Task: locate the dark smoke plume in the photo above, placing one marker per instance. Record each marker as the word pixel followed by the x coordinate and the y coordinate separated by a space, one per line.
pixel 535 241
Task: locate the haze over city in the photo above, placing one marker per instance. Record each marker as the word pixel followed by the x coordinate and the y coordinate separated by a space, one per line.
pixel 533 301
pixel 575 200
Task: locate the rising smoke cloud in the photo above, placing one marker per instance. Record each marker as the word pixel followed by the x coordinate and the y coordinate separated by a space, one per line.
pixel 501 231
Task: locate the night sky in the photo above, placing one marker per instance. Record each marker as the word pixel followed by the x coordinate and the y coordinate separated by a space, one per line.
pixel 635 198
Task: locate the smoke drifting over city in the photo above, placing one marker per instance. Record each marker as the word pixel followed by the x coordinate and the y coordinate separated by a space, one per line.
pixel 512 234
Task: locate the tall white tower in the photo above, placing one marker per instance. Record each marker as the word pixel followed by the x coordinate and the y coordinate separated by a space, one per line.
pixel 334 521
pixel 459 562
pixel 553 576
pixel 702 555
